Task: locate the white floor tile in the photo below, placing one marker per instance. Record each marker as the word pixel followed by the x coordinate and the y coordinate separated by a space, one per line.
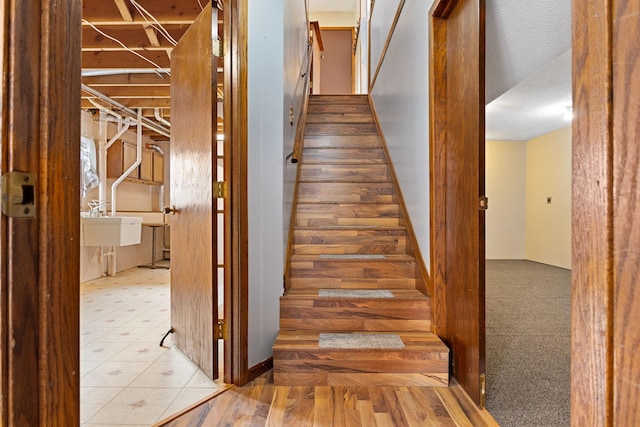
pixel 114 374
pixel 127 379
pixel 165 374
pixel 136 406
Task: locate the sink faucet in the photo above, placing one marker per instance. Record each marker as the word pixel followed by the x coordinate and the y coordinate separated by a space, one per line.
pixel 97 208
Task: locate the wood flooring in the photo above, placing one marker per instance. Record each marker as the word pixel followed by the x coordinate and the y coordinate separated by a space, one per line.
pixel 261 403
pixel 350 233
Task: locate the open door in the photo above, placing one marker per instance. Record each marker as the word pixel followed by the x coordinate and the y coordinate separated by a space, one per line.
pixel 194 278
pixel 457 102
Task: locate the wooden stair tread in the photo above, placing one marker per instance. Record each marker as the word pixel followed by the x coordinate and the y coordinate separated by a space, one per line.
pixel 352 227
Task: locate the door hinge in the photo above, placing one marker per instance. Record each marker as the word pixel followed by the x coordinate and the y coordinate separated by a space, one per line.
pixel 483 390
pixel 484 203
pixel 222 330
pixel 218 47
pixel 220 190
pixel 19 194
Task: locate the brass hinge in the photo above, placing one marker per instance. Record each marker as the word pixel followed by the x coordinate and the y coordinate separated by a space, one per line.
pixel 484 203
pixel 218 47
pixel 220 190
pixel 222 330
pixel 483 390
pixel 19 194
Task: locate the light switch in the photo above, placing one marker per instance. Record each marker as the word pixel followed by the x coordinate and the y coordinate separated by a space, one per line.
pixel 548 200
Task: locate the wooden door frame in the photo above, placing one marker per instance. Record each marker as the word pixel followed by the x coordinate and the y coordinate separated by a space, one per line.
pixel 236 349
pixel 40 257
pixel 458 318
pixel 605 245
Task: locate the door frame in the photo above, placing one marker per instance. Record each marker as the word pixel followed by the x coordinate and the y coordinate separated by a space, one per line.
pixel 457 186
pixel 40 257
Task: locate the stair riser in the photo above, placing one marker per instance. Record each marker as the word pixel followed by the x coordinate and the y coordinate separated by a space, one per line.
pixel 323 108
pixel 348 214
pixel 355 325
pixel 342 156
pixel 320 192
pixel 344 283
pixel 374 269
pixel 345 308
pixel 367 360
pixel 345 173
pixel 345 141
pixel 340 117
pixel 336 379
pixel 349 242
pixel 340 129
pixel 338 99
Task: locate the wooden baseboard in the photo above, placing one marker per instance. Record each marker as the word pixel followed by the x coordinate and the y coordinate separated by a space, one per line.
pixel 260 368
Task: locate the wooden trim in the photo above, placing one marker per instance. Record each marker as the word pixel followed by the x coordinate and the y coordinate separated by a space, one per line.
pixel 386 44
pixel 40 285
pixel 235 123
pixel 260 368
pixel 442 8
pixel 316 31
pixel 626 218
pixel 193 406
pixel 438 172
pixel 592 216
pixel 423 281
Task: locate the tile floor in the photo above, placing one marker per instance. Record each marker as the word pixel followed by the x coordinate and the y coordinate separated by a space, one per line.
pixel 126 377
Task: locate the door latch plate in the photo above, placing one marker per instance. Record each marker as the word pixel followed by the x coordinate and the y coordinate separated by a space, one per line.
pixel 19 194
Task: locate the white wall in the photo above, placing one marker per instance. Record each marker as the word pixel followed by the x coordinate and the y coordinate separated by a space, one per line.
pixel 334 19
pixel 505 180
pixel 549 175
pixel 269 98
pixel 381 20
pixel 130 197
pixel 401 98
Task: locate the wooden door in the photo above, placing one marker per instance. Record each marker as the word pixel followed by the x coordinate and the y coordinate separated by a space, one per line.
pixel 337 61
pixel 458 185
pixel 194 308
pixel 40 254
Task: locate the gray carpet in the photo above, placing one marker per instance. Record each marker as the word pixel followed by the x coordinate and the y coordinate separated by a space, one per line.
pixel 360 341
pixel 528 308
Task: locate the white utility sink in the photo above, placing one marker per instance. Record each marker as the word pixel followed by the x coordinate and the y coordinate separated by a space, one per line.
pixel 110 230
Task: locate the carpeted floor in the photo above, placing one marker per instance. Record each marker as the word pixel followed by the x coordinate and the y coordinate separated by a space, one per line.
pixel 528 311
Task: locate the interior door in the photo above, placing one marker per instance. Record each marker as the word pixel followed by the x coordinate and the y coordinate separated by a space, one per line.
pixel 194 307
pixel 337 61
pixel 458 165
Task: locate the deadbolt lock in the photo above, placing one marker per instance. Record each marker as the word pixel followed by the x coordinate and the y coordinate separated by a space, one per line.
pixel 19 194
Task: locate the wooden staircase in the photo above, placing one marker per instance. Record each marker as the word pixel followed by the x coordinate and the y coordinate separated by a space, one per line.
pixel 349 235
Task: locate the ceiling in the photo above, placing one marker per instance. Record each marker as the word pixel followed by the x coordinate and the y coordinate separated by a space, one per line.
pixel 137 76
pixel 528 67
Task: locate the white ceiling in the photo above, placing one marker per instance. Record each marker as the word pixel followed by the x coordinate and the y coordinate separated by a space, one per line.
pixel 528 67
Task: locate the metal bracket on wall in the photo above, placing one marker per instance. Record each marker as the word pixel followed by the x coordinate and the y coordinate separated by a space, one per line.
pixel 19 194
